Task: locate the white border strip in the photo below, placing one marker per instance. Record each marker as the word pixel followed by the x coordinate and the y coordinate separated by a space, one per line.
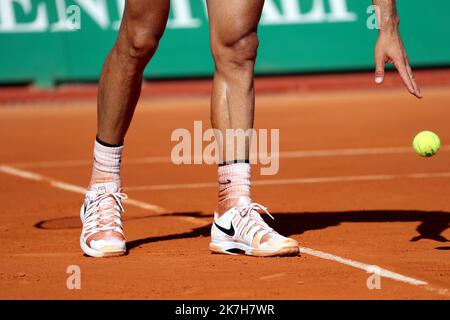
pixel 287 155
pixel 71 187
pixel 271 182
pixel 359 265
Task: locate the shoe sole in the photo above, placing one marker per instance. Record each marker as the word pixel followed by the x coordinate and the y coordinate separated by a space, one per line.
pixel 112 251
pixel 235 248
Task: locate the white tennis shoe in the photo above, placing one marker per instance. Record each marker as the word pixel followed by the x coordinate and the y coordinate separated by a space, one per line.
pixel 242 230
pixel 101 215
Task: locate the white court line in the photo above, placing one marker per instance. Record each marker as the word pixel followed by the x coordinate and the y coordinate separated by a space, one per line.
pixel 71 187
pixel 322 255
pixel 374 269
pixel 350 152
pixel 359 265
pixel 286 155
pixel 270 182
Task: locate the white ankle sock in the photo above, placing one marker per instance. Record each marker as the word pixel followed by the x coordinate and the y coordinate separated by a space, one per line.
pixel 106 164
pixel 234 182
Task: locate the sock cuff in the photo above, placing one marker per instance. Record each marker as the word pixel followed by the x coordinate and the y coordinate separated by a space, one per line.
pixel 100 148
pixel 234 169
pixel 234 162
pixel 105 144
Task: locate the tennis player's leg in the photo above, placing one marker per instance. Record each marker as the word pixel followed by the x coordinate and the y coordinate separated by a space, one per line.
pixel 238 227
pixel 143 25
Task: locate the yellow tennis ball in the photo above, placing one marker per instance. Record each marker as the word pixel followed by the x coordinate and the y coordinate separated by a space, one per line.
pixel 426 144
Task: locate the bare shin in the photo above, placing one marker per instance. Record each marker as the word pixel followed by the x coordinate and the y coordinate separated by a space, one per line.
pixel 142 26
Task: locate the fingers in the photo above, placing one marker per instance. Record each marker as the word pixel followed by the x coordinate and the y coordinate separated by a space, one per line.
pixel 379 71
pixel 417 92
pixel 403 71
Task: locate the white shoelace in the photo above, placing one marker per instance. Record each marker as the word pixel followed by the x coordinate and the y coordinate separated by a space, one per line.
pixel 104 213
pixel 251 221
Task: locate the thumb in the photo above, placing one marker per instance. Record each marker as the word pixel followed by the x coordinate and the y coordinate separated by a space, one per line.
pixel 379 72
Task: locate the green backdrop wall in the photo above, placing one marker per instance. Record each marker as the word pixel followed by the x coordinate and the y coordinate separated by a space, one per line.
pixel 38 45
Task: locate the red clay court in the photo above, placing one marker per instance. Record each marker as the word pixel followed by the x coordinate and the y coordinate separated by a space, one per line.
pixel 350 190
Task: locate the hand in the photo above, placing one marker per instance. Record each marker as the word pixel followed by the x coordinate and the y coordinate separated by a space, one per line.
pixel 390 49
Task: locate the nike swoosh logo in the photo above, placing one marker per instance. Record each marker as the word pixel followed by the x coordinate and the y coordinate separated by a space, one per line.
pixel 229 231
pixel 228 181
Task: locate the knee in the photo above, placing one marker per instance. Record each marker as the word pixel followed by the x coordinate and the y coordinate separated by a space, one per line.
pixel 142 45
pixel 138 46
pixel 237 52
